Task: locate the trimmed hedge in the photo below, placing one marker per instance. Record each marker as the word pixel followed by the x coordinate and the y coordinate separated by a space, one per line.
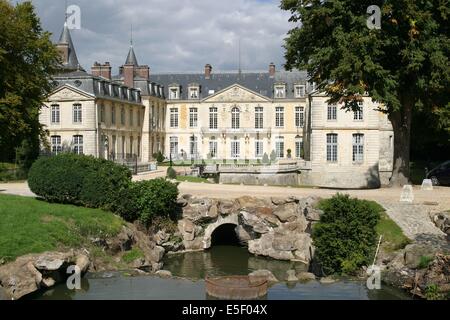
pixel 345 238
pixel 78 179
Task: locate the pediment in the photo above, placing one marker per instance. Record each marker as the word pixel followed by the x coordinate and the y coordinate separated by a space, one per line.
pixel 236 93
pixel 68 93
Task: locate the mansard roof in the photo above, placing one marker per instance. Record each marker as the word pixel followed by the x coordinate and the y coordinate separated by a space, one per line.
pixel 259 82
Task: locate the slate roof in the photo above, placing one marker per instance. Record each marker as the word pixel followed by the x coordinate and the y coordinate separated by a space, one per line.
pixel 98 86
pixel 65 38
pixel 259 82
pixel 131 57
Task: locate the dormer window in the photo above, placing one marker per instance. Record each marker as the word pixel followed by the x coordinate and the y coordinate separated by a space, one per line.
pixel 174 92
pixel 280 91
pixel 193 92
pixel 299 91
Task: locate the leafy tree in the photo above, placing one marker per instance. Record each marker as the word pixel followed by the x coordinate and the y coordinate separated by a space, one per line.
pixel 265 158
pixel 404 65
pixel 273 156
pixel 28 59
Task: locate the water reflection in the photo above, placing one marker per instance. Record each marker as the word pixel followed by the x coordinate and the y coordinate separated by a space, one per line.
pixel 225 260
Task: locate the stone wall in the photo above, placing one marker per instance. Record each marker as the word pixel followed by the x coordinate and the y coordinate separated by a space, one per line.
pixel 278 179
pixel 278 227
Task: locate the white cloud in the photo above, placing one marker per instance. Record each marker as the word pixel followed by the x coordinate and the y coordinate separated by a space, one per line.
pixel 175 35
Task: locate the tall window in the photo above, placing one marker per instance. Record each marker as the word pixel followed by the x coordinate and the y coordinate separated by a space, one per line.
pixel 78 144
pixel 77 113
pixel 174 146
pixel 139 117
pixel 235 148
pixel 298 147
pixel 299 91
pixel 332 112
pixel 213 118
pixel 131 117
pixel 259 118
pixel 213 147
pixel 279 117
pixel 56 144
pixel 299 117
pixel 332 147
pixel 102 113
pixel 193 146
pixel 358 147
pixel 123 146
pixel 174 117
pixel 259 151
pixel 113 114
pixel 235 118
pixel 122 116
pixel 55 114
pixel 193 117
pixel 358 114
pixel 279 147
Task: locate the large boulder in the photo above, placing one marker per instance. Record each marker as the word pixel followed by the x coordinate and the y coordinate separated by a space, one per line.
pixel 287 212
pixel 227 207
pixel 414 253
pixel 29 273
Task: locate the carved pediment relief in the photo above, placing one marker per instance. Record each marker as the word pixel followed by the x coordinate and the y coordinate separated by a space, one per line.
pixel 67 93
pixel 236 93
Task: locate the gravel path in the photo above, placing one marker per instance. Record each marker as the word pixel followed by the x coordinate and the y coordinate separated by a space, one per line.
pixel 415 222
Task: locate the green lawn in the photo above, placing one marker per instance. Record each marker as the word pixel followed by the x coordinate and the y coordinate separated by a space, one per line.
pixel 192 179
pixel 28 225
pixel 393 237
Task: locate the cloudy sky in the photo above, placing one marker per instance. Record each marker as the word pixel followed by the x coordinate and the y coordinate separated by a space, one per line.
pixel 175 35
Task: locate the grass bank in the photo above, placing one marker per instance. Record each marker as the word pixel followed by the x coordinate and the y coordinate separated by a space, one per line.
pixel 28 225
pixel 192 179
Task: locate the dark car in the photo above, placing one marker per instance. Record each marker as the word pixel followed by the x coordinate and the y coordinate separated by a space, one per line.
pixel 440 176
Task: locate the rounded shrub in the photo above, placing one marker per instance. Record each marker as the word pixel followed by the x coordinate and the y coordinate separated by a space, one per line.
pixel 345 237
pixel 155 198
pixel 78 179
pixel 171 173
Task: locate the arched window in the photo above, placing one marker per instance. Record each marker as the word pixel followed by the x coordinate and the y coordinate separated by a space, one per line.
pixel 213 147
pixel 235 148
pixel 193 146
pixel 299 153
pixel 174 147
pixel 279 146
pixel 235 118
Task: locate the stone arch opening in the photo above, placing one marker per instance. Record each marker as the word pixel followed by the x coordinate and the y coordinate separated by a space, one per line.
pixel 225 234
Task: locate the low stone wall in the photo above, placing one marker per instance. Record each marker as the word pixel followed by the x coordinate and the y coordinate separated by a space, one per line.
pixel 276 179
pixel 278 227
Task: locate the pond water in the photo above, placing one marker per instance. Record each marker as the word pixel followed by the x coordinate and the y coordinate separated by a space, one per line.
pixel 191 268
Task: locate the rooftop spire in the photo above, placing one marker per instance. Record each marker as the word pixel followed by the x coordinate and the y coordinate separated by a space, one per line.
pixel 131 57
pixel 70 60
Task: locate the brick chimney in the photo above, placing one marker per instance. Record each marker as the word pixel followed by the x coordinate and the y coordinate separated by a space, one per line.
pixel 101 70
pixel 128 75
pixel 208 70
pixel 143 72
pixel 272 70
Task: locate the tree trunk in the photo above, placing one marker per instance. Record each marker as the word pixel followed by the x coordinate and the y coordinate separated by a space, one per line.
pixel 401 123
